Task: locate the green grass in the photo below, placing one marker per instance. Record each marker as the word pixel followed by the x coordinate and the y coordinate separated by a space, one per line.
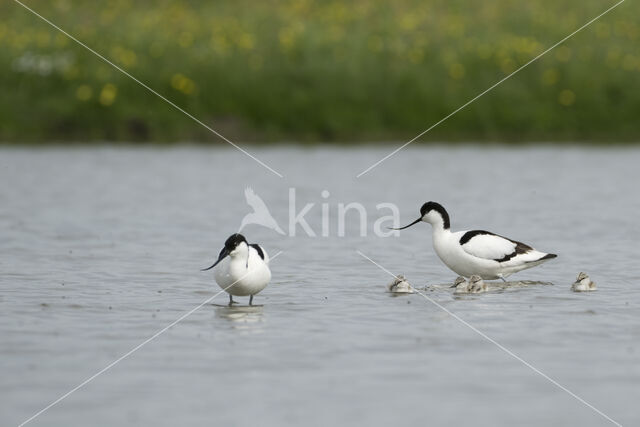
pixel 319 71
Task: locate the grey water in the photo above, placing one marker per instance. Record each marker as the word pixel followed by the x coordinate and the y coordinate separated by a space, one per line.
pixel 101 248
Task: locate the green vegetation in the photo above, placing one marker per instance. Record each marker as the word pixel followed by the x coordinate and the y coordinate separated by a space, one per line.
pixel 319 71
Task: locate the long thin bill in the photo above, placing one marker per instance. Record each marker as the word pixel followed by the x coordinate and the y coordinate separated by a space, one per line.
pixel 214 264
pixel 407 226
pixel 223 254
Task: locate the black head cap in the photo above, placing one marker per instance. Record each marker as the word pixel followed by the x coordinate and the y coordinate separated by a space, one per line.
pixel 233 241
pixel 434 206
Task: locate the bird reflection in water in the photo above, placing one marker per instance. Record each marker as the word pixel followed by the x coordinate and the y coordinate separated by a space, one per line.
pixel 242 317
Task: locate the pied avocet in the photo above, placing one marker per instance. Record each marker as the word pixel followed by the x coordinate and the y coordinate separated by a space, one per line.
pixel 242 269
pixel 477 252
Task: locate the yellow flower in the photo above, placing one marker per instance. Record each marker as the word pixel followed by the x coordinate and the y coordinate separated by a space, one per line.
pixel 220 43
pixel 602 30
pixel 563 54
pixel 484 51
pixel 507 65
pixel 183 83
pixel 245 41
pixel 156 49
pixel 108 94
pixel 43 39
pixel 287 38
pixel 20 41
pixel 62 5
pixel 566 97
pixel 255 62
pixel 124 56
pixel 456 71
pixel 71 72
pixel 375 43
pixel 415 55
pixel 409 21
pixel 613 57
pixel 629 62
pixel 550 77
pixel 335 33
pixel 454 26
pixel 61 40
pixel 84 92
pixel 185 39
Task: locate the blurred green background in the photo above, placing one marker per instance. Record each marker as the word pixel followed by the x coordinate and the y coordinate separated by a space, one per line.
pixel 305 71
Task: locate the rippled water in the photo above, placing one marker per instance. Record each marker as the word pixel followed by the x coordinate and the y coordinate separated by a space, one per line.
pixel 101 248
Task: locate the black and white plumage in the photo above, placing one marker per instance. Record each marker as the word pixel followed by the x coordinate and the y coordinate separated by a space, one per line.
pixel 477 252
pixel 242 269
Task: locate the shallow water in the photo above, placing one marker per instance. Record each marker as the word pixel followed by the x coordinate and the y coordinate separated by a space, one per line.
pixel 101 248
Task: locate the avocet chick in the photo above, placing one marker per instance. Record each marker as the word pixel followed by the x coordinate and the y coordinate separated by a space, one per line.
pixel 477 285
pixel 461 285
pixel 583 283
pixel 459 281
pixel 400 286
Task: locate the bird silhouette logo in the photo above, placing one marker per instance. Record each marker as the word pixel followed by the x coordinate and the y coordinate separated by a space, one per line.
pixel 260 215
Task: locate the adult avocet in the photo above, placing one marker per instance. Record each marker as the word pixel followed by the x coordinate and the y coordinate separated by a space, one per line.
pixel 242 269
pixel 477 252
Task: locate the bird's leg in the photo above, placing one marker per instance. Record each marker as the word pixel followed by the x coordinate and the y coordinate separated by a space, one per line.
pixel 231 301
pixel 503 279
pixel 251 300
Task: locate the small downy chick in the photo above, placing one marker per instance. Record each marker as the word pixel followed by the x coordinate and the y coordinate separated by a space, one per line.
pixel 477 285
pixel 399 285
pixel 461 285
pixel 583 283
pixel 459 281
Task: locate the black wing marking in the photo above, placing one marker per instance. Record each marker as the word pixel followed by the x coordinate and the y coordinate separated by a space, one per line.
pixel 520 248
pixel 471 234
pixel 258 249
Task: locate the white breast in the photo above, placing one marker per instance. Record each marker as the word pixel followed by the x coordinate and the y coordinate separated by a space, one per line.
pixel 240 278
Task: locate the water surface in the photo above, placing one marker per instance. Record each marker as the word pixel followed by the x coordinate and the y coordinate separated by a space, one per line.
pixel 101 248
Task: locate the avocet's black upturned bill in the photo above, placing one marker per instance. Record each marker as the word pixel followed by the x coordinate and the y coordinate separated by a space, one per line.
pixel 477 252
pixel 242 269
